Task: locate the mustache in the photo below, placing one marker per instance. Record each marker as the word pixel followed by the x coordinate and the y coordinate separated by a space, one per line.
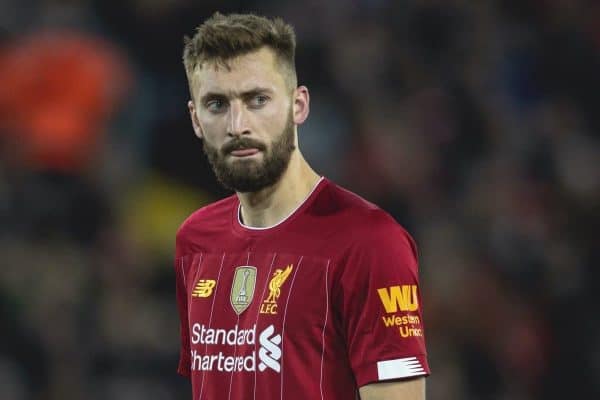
pixel 241 144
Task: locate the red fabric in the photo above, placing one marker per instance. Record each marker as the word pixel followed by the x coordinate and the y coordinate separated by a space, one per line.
pixel 342 255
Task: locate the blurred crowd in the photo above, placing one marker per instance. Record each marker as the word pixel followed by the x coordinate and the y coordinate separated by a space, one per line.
pixel 474 123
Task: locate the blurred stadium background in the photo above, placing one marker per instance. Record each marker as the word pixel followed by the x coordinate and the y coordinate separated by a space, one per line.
pixel 474 123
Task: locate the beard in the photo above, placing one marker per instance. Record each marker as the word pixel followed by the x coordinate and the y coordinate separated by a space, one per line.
pixel 248 175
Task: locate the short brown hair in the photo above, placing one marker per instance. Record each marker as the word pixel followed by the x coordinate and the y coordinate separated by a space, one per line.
pixel 223 37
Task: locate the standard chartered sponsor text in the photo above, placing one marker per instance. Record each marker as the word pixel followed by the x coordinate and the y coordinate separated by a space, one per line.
pixel 232 337
pixel 222 362
pixel 235 361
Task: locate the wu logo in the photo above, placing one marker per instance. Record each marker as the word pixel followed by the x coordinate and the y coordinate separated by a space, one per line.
pixel 403 297
pixel 269 352
pixel 204 288
pixel 242 288
pixel 269 306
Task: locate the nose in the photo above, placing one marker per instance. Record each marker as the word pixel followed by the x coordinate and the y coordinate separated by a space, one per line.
pixel 238 122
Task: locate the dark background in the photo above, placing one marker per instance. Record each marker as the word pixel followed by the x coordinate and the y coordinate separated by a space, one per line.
pixel 474 123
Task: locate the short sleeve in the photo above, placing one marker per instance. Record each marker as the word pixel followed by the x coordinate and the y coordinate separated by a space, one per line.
pixel 378 301
pixel 182 306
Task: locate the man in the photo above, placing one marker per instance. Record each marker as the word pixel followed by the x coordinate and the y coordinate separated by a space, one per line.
pixel 293 288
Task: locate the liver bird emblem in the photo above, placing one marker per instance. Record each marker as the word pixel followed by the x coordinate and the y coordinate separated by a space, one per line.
pixel 279 277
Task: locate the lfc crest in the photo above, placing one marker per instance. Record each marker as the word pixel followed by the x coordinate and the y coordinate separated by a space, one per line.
pixel 242 288
pixel 269 305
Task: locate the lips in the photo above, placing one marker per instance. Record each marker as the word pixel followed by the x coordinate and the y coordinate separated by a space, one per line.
pixel 244 152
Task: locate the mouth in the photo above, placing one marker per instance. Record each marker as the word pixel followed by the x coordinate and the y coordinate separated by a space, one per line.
pixel 244 152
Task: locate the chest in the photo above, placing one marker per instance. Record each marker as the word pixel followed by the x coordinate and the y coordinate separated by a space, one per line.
pixel 240 294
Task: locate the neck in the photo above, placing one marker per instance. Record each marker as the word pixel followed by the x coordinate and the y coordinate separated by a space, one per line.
pixel 271 205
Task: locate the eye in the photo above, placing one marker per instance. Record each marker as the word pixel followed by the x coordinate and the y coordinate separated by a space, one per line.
pixel 259 100
pixel 215 105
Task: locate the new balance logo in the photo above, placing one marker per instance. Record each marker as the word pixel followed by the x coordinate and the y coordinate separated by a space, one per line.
pixel 204 288
pixel 269 352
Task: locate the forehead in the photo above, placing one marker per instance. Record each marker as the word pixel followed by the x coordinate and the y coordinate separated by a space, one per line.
pixel 242 73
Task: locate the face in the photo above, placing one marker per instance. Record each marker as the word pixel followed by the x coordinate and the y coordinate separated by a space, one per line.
pixel 247 115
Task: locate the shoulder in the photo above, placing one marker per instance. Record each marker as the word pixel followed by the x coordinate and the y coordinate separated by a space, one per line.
pixel 205 221
pixel 364 224
pixel 374 250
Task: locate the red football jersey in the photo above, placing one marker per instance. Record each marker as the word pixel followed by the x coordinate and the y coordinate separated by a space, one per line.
pixel 313 308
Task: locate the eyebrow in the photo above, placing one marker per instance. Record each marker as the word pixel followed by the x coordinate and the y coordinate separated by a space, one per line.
pixel 245 95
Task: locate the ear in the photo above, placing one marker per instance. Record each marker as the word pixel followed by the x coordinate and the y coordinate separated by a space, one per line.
pixel 195 122
pixel 301 104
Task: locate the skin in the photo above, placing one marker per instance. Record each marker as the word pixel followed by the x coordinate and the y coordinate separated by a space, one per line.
pixel 260 117
pixel 227 106
pixel 413 389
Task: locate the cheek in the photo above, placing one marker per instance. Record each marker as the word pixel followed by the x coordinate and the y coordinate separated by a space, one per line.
pixel 275 119
pixel 213 129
